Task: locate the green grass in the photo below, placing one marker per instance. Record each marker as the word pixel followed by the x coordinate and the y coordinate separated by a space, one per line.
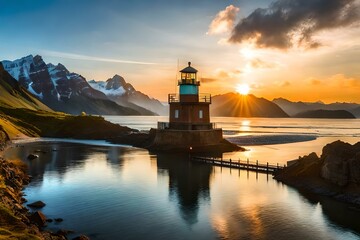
pixel 55 124
pixel 11 227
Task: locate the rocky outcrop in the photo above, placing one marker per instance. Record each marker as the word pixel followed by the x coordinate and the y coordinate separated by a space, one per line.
pixel 37 204
pixel 4 138
pixel 341 163
pixel 336 173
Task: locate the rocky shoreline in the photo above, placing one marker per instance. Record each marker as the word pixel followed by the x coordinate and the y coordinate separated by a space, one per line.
pixel 336 173
pixel 16 221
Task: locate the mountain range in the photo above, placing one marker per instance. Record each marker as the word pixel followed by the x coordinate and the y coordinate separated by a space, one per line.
pixel 62 90
pixel 123 93
pixel 55 87
pixel 295 108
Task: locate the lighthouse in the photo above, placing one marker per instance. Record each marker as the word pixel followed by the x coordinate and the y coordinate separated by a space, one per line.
pixel 189 127
pixel 189 110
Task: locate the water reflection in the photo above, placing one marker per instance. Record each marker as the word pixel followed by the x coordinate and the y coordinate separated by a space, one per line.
pixel 95 188
pixel 57 158
pixel 190 183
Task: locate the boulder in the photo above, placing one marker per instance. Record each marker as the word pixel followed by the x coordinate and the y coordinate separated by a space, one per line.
pixel 81 237
pixel 354 166
pixel 38 218
pixel 335 170
pixel 32 156
pixel 37 204
pixel 341 163
pixel 64 232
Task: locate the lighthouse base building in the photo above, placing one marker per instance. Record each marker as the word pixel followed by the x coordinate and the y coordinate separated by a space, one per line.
pixel 189 127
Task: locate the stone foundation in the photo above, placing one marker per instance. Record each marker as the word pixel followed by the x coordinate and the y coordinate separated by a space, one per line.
pixel 189 140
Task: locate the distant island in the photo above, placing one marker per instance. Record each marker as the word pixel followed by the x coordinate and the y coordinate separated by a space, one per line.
pixel 294 108
pixel 340 114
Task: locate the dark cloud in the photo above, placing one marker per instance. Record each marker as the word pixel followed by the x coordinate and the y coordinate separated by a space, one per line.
pixel 286 23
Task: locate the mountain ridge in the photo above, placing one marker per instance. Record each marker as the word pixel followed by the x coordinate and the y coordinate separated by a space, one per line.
pixel 63 90
pixel 293 108
pixel 120 91
pixel 237 105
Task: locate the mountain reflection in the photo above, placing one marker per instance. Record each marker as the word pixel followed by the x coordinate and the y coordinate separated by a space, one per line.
pixel 190 183
pixel 58 158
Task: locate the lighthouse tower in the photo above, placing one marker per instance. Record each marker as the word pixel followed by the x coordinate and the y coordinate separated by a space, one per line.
pixel 189 127
pixel 189 110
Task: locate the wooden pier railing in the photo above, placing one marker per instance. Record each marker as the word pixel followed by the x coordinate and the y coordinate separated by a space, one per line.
pixel 247 165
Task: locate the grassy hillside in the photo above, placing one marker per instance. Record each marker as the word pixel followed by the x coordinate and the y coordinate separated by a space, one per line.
pixel 21 114
pixel 53 124
pixel 13 95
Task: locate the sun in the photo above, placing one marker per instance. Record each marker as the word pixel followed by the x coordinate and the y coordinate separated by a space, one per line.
pixel 243 89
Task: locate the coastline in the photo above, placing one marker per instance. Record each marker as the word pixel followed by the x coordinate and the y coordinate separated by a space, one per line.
pixel 16 220
pixel 334 174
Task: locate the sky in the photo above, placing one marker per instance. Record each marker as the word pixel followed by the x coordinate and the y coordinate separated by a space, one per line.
pixel 302 50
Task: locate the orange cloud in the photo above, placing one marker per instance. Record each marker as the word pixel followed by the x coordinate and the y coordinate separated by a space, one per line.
pixel 342 81
pixel 314 81
pixel 208 80
pixel 283 83
pixel 258 63
pixel 224 20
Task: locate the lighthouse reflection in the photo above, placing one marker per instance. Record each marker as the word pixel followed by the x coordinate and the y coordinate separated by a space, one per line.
pixel 189 183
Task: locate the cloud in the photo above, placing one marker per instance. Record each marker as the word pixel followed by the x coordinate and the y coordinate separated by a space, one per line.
pixel 227 74
pixel 314 81
pixel 337 80
pixel 208 80
pixel 224 20
pixel 89 58
pixel 283 84
pixel 258 63
pixel 344 82
pixel 288 23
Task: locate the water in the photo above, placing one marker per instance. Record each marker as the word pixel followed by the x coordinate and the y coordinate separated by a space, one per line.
pixel 119 192
pixel 282 139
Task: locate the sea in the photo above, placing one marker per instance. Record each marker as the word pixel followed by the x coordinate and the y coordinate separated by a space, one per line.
pixel 109 191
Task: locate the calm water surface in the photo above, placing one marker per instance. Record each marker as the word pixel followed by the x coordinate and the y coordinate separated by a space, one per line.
pixel 119 192
pixel 276 140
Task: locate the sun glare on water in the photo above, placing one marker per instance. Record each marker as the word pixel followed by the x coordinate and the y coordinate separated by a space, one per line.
pixel 243 89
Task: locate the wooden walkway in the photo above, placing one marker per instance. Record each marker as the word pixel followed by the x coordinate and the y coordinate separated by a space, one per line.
pixel 247 165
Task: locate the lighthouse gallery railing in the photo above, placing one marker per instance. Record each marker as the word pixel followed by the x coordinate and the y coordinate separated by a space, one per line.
pixel 203 97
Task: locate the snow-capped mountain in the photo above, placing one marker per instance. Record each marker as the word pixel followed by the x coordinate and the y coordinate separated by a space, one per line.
pixel 63 90
pixel 118 90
